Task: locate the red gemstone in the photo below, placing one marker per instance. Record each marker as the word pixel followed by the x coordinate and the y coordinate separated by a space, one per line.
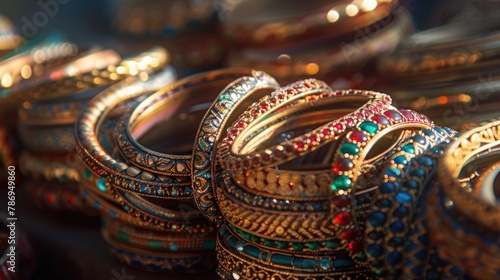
pixel 349 234
pixel 355 247
pixel 326 132
pixel 341 201
pixel 246 163
pixel 299 145
pixel 324 94
pixel 307 84
pixel 358 136
pixel 343 218
pixel 344 164
pixel 394 115
pixel 255 161
pixel 380 120
pixel 312 98
pixel 70 200
pixel 288 92
pixel 289 148
pixel 254 112
pixel 339 127
pixel 272 100
pixel 291 184
pixel 264 106
pixel 233 132
pixel 237 165
pixel 349 122
pixel 240 125
pixel 277 153
pixel 406 114
pixel 312 139
pixel 50 198
pixel 360 116
pixel 266 157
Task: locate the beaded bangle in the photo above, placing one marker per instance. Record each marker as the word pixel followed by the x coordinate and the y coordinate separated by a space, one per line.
pixel 61 197
pixel 388 209
pixel 156 218
pixel 149 61
pixel 332 262
pixel 99 161
pixel 157 240
pixel 204 164
pixel 263 23
pixel 233 161
pixel 160 261
pixel 476 141
pixel 346 166
pixel 49 168
pixel 472 248
pixel 244 268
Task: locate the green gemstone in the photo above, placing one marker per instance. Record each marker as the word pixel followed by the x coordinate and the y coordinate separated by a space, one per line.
pixel 349 148
pixel 282 259
pixel 378 272
pixel 313 245
pixel 268 242
pixel 209 244
pixel 282 244
pixel 246 235
pixel 369 127
pixel 409 148
pixel 341 182
pixel 123 236
pixel 155 244
pixel 86 174
pixel 332 244
pixel 63 178
pixel 361 257
pixel 101 184
pixel 298 246
pixel 255 239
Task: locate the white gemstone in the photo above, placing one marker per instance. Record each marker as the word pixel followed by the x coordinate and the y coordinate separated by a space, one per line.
pixel 236 276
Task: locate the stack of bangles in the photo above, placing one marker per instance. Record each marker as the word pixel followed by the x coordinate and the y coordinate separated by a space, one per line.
pixel 47 109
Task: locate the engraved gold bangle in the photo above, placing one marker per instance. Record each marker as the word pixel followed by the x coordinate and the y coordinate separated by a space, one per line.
pixel 160 261
pixel 152 60
pixel 55 168
pixel 233 160
pixel 157 240
pixel 471 144
pixel 347 166
pixel 94 154
pixel 204 165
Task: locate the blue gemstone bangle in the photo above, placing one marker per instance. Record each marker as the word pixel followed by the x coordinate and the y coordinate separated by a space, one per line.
pixel 398 201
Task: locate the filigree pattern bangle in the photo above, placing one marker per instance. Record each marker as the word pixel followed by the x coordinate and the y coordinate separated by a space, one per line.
pixel 233 161
pixel 160 261
pixel 95 156
pixel 472 143
pixel 346 166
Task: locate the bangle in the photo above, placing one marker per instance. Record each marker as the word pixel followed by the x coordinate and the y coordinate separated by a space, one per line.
pixel 471 144
pixel 266 24
pixel 49 168
pixel 346 166
pixel 93 154
pixel 330 262
pixel 398 202
pixel 51 139
pixel 472 248
pixel 149 61
pixel 61 197
pixel 204 165
pixel 232 160
pixel 324 60
pixel 241 267
pixel 156 240
pixel 160 261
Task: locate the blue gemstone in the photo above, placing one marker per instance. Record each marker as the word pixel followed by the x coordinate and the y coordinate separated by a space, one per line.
pixel 418 172
pixel 397 227
pixel 417 270
pixel 325 264
pixel 376 219
pixel 394 258
pixel 264 256
pixel 419 139
pixel 101 184
pixel 375 250
pixel 173 247
pixel 393 172
pixel 403 197
pixel 383 203
pixel 411 246
pixel 169 31
pixel 343 263
pixel 287 260
pixel 448 130
pixel 401 160
pixel 127 208
pixel 437 150
pixel 438 129
pixel 252 251
pixel 411 184
pixel 421 255
pixel 387 187
pixel 400 212
pixel 194 24
pixel 426 161
pixel 112 213
pixel 396 242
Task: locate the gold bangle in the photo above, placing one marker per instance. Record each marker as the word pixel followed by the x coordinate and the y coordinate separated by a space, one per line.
pixel 470 145
pixel 150 61
pixel 51 168
pixel 160 261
